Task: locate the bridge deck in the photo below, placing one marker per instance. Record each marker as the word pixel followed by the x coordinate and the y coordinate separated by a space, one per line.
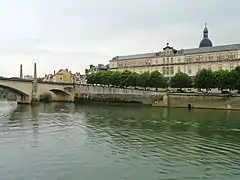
pixel 30 81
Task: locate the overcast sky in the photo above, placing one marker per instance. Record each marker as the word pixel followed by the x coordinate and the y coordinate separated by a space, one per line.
pixel 76 33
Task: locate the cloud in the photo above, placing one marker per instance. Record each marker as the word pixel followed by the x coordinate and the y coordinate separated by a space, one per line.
pixel 74 34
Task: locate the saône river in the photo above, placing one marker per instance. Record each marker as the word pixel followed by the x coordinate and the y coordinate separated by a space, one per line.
pixel 117 142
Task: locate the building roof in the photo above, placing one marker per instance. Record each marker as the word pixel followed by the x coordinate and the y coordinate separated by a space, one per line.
pixel 183 51
pixel 205 46
pixel 205 42
pixel 212 49
pixel 135 56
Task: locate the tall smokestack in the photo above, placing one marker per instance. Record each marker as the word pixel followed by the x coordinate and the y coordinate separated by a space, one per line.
pixel 21 71
pixel 35 80
pixel 35 71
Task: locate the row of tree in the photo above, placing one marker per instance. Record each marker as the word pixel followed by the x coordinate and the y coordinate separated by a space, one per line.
pixel 205 79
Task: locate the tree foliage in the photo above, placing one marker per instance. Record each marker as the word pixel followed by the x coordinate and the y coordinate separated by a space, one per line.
pixel 222 78
pixel 128 78
pixel 181 80
pixel 204 79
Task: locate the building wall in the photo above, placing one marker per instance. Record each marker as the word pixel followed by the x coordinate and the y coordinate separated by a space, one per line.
pixel 63 75
pixel 190 64
pixel 85 93
pixel 208 101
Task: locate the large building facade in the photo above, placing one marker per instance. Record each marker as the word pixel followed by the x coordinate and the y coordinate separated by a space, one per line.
pixel 169 61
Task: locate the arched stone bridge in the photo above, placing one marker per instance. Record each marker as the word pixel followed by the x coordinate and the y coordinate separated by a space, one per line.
pixel 24 89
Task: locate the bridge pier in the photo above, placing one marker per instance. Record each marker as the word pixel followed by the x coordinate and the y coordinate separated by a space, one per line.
pixel 21 99
pixel 63 98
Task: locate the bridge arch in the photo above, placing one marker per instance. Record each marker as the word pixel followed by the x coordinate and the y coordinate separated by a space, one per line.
pixel 15 90
pixel 58 92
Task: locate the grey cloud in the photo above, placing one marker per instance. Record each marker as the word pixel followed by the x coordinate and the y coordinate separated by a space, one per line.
pixel 84 32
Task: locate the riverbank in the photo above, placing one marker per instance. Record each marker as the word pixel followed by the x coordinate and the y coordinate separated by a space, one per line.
pixel 200 101
pixel 169 100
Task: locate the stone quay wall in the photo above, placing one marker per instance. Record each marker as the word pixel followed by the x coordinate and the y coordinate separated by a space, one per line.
pixel 87 93
pixel 207 101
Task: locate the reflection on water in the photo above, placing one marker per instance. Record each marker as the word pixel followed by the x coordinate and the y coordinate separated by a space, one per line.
pixel 100 142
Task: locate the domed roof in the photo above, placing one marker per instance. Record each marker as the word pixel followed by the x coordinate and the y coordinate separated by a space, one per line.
pixel 205 42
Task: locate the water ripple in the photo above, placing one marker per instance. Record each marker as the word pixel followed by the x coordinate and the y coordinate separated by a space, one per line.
pixel 61 141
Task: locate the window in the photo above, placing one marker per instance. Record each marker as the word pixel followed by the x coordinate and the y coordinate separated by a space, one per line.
pixel 172 70
pixel 191 60
pixel 229 56
pixel 231 65
pixel 171 60
pixel 222 56
pixel 163 70
pixel 199 68
pixel 206 58
pixel 163 60
pixel 167 60
pixel 179 60
pixel 218 57
pixel 167 70
pixel 156 62
pixel 189 70
pixel 179 68
pixel 197 58
pixel 209 66
pixel 219 66
pixel 233 55
pixel 210 57
pixel 201 58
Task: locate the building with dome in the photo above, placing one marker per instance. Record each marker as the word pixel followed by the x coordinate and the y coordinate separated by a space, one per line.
pixel 169 61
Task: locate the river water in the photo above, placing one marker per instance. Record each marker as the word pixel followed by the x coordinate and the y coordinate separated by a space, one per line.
pixel 116 142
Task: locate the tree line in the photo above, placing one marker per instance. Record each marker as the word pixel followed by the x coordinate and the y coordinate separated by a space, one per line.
pixel 204 79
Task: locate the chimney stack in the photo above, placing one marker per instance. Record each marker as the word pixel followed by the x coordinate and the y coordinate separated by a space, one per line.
pixel 35 71
pixel 21 71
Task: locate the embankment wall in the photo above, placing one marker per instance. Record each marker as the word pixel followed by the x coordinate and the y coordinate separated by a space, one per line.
pixel 209 101
pixel 176 100
pixel 116 95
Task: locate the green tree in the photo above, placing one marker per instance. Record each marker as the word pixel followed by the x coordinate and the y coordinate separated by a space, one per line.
pixel 132 79
pixel 233 80
pixel 124 76
pixel 181 80
pixel 157 80
pixel 91 78
pixel 106 77
pixel 116 78
pixel 235 77
pixel 222 79
pixel 204 79
pixel 99 77
pixel 143 80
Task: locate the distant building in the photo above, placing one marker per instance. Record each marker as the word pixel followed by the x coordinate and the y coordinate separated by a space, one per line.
pixel 79 78
pixel 63 75
pixel 99 67
pixel 29 77
pixel 169 61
